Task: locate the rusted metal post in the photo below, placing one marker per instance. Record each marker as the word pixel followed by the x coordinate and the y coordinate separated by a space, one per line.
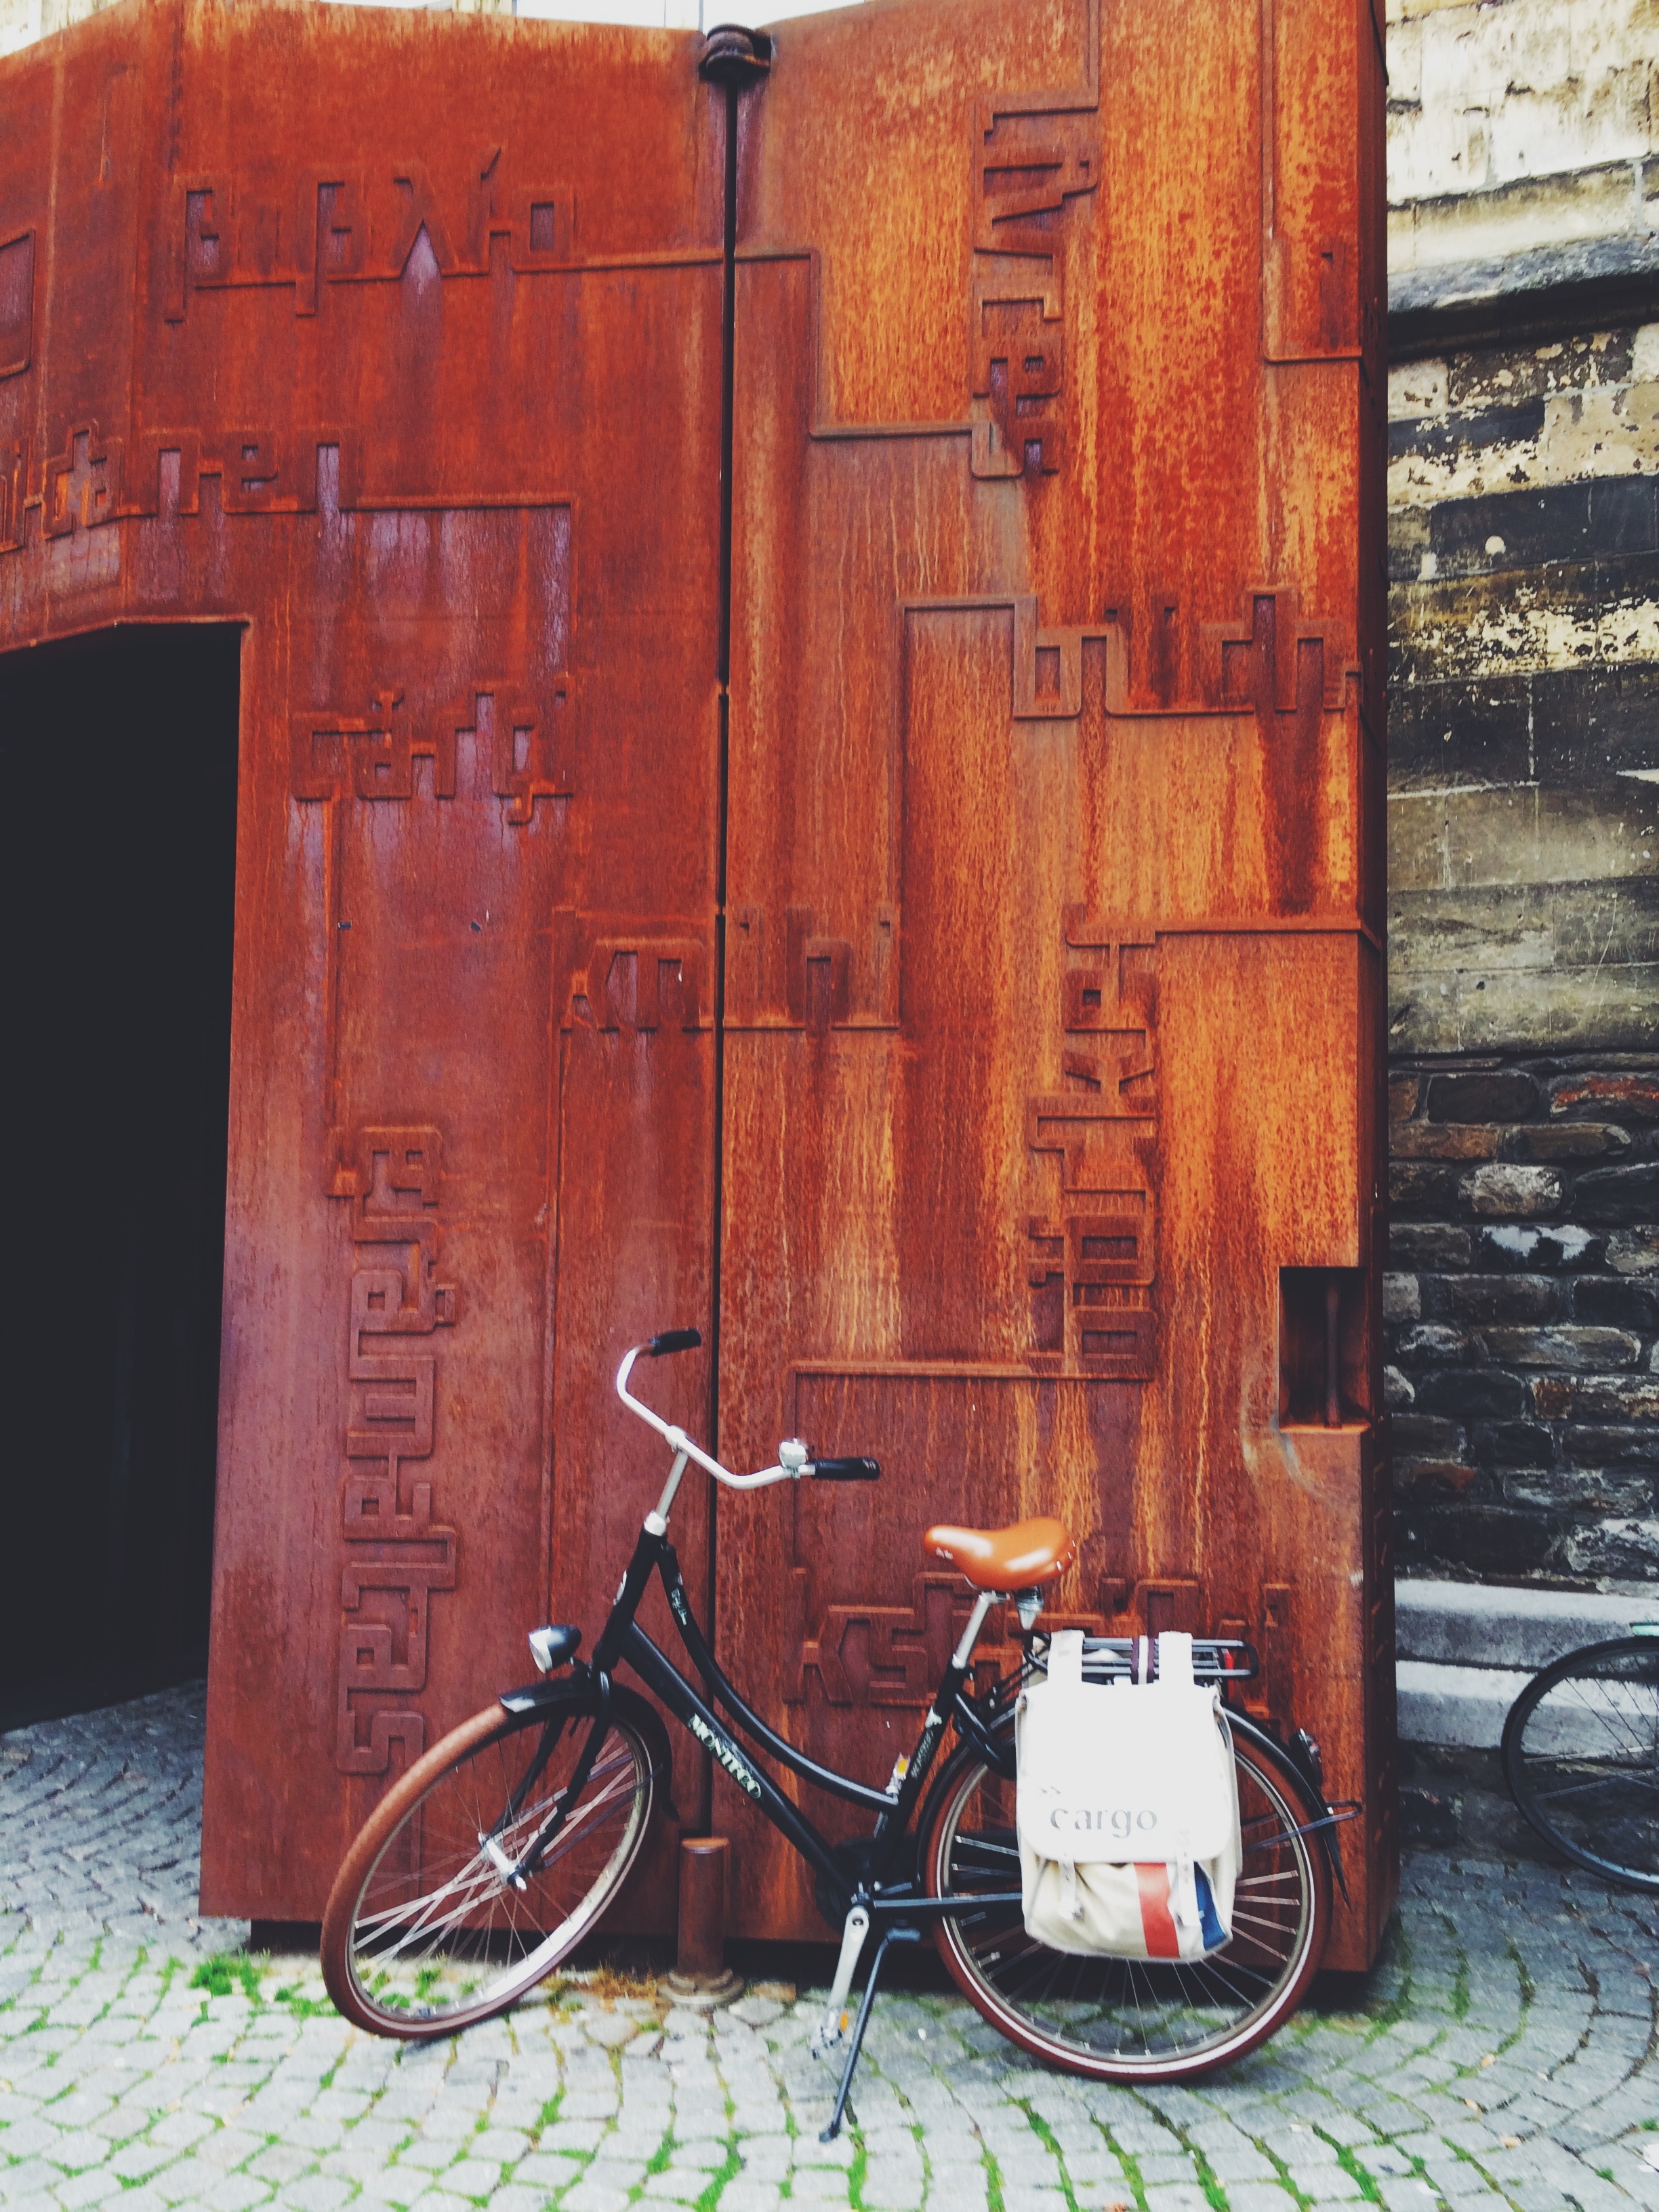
pixel 701 1972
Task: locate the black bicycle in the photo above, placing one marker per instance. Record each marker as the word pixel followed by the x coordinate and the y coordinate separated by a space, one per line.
pixel 1581 1756
pixel 498 1851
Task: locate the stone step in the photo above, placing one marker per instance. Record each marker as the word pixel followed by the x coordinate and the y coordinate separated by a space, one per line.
pixel 1463 1707
pixel 1465 1650
pixel 1481 1624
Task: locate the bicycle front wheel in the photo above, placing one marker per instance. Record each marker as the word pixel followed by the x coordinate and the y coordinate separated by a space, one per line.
pixel 1135 2019
pixel 1581 1756
pixel 425 1933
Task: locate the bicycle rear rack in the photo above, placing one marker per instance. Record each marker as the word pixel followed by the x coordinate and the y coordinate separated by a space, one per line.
pixel 1134 1659
pixel 1217 1659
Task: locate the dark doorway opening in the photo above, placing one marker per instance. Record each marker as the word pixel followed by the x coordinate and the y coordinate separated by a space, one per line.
pixel 119 872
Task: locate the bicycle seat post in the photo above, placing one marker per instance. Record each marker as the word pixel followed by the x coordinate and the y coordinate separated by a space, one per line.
pixel 962 1656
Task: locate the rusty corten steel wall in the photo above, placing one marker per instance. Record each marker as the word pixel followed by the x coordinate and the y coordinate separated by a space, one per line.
pixel 1048 1038
pixel 400 340
pixel 1054 865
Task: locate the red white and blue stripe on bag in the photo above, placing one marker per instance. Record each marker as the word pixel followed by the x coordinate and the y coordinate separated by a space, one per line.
pixel 1157 1884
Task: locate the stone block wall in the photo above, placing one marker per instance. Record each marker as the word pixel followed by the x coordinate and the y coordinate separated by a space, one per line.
pixel 1522 1313
pixel 1523 701
pixel 1524 931
pixel 1523 143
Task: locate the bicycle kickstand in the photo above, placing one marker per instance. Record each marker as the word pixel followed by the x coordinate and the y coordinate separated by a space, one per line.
pixel 890 1935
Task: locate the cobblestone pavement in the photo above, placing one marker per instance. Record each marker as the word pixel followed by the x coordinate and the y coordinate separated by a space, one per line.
pixel 1503 2052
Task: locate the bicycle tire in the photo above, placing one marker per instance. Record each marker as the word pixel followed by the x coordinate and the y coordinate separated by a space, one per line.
pixel 1583 1763
pixel 393 1963
pixel 1121 2020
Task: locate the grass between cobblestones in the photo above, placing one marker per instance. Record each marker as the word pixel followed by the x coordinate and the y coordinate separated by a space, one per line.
pixel 1350 2164
pixel 217 1974
pixel 1284 2171
pixel 1131 2165
pixel 1208 2182
pixel 858 2172
pixel 1499 2057
pixel 711 2196
pixel 994 2194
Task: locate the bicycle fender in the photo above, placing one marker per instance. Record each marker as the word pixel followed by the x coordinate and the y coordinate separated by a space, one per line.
pixel 546 1696
pixel 535 1697
pixel 1299 1758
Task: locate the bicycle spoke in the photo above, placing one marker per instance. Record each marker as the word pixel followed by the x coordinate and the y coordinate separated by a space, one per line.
pixel 1131 2016
pixel 1584 1766
pixel 438 1931
pixel 1624 1780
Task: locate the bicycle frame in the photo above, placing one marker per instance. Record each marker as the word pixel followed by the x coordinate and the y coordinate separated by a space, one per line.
pixel 879 1892
pixel 885 1898
pixel 940 1853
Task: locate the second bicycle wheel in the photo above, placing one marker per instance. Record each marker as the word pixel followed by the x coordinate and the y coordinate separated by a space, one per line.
pixel 1581 1755
pixel 425 1932
pixel 1134 2020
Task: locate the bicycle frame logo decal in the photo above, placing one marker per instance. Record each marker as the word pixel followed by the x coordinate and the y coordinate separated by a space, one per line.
pixel 723 1751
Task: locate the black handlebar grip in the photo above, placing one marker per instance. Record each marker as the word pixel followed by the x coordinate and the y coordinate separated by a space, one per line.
pixel 846 1470
pixel 673 1340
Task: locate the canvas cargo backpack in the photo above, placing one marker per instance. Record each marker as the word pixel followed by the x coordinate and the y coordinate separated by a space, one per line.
pixel 1126 1809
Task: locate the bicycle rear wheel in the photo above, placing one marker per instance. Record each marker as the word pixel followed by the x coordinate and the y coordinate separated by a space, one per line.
pixel 1581 1756
pixel 1134 2020
pixel 423 1933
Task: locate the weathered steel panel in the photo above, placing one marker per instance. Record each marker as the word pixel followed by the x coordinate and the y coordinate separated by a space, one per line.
pixel 1047 1048
pixel 1053 986
pixel 340 327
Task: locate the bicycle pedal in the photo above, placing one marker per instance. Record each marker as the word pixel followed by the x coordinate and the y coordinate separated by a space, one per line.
pixel 826 2038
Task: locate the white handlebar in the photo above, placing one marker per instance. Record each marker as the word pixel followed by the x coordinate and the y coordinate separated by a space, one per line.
pixel 793 1461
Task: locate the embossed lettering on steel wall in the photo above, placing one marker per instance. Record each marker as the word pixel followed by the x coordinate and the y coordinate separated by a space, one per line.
pixel 1046 1035
pixel 1061 644
pixel 353 339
